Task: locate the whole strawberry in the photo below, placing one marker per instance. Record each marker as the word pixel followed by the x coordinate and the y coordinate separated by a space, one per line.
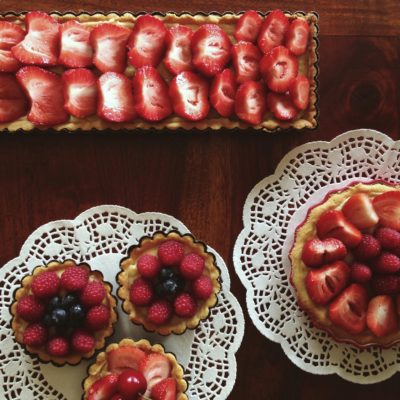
pixel 387 263
pixel 368 248
pixel 388 238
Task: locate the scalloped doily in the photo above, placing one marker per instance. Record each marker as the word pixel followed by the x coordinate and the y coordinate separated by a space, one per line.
pixel 101 237
pixel 273 210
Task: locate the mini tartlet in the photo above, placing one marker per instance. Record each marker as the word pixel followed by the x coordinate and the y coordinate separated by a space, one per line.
pixel 345 264
pixel 63 312
pixel 181 278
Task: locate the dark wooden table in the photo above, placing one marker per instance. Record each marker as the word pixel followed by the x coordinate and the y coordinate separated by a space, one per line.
pixel 203 178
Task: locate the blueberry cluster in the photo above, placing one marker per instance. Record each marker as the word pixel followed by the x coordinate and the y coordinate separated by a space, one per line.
pixel 170 283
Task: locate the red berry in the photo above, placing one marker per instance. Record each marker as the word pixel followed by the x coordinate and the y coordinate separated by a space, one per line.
pixel 192 266
pixel 171 252
pixel 360 273
pixel 387 263
pixel 30 308
pixel 45 284
pixel 92 294
pixel 98 317
pixel 74 278
pixel 368 248
pixel 159 312
pixel 388 238
pixel 58 346
pixel 148 266
pixel 185 305
pixel 82 341
pixel 141 292
pixel 117 396
pixel 385 284
pixel 35 335
pixel 202 287
pixel 131 383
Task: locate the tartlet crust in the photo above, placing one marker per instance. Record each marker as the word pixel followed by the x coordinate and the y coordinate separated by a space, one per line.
pixel 18 324
pixel 129 273
pixel 307 66
pixel 306 231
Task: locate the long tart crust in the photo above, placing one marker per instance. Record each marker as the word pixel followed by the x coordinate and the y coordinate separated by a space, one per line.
pixel 306 231
pixel 227 21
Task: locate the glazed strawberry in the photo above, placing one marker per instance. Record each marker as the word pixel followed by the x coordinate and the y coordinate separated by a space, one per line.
pixel 202 287
pixel 368 248
pixel 35 335
pixel 58 346
pixel 324 283
pixel 131 384
pixel 171 252
pixel 159 312
pixel 388 238
pixel 248 26
pixel 273 31
pixel 349 309
pixel 75 48
pixel 10 35
pixel 297 36
pixel 109 45
pixel 164 390
pixel 381 316
pixel 178 56
pixel 387 263
pixel 43 88
pixel 150 94
pixel 281 105
pixel 222 93
pixel 98 317
pixel 246 59
pixel 192 266
pixel 359 211
pixel 155 368
pixel 141 292
pixel 124 357
pixel 82 341
pixel 13 102
pixel 279 69
pixel 80 92
pixel 250 102
pixel 299 92
pixel 74 278
pixel 211 49
pixel 115 102
pixel 92 294
pixel 385 284
pixel 332 223
pixel 185 305
pixel 387 206
pixel 41 44
pixel 104 388
pixel 148 266
pixel 317 252
pixel 45 284
pixel 30 308
pixel 360 273
pixel 147 42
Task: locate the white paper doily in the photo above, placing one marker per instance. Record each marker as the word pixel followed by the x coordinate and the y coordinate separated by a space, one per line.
pixel 273 210
pixel 101 237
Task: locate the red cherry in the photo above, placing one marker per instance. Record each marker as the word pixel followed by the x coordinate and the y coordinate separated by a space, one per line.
pixel 117 396
pixel 131 383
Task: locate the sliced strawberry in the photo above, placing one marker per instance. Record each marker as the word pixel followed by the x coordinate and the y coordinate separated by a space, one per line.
pixel 359 211
pixel 150 93
pixel 103 388
pixel 381 316
pixel 13 102
pixel 155 368
pixel 387 206
pixel 281 106
pixel 348 310
pixel 273 31
pixel 75 48
pixel 124 357
pixel 297 36
pixel 248 26
pixel 147 42
pixel 178 57
pixel 250 102
pixel 164 390
pixel 324 283
pixel 10 35
pixel 317 252
pixel 211 49
pixel 115 98
pixel 246 59
pixel 223 91
pixel 80 92
pixel 279 69
pixel 40 45
pixel 300 92
pixel 44 89
pixel 189 95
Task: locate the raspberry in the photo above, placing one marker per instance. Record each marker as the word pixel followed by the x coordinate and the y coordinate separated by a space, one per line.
pixel 35 335
pixel 58 346
pixel 148 266
pixel 202 287
pixel 360 273
pixel 192 266
pixel 98 317
pixel 159 312
pixel 388 238
pixel 368 248
pixel 171 252
pixel 185 305
pixel 74 278
pixel 385 284
pixel 45 284
pixel 30 309
pixel 92 294
pixel 141 292
pixel 387 263
pixel 82 341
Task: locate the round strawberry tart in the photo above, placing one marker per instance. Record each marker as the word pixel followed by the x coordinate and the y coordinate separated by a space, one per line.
pixel 168 282
pixel 63 312
pixel 346 264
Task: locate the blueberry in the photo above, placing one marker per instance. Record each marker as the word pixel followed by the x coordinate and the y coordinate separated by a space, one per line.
pixel 165 273
pixel 55 302
pixel 68 301
pixel 47 320
pixel 59 317
pixel 171 286
pixel 76 314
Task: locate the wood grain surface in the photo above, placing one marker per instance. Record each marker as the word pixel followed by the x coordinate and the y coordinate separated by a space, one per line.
pixel 203 178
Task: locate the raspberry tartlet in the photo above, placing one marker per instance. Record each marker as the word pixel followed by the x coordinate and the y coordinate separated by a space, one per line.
pixel 63 312
pixel 168 282
pixel 346 264
pixel 135 370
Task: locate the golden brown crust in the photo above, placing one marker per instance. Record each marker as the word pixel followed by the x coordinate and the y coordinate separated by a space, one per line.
pixel 307 66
